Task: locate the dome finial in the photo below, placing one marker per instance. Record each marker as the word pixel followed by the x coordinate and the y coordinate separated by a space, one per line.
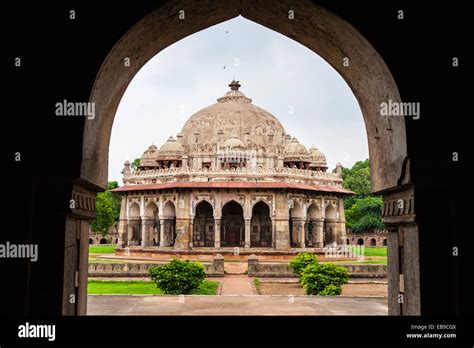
pixel 234 85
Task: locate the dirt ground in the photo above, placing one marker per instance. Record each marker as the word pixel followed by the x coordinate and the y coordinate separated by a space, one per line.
pixel 363 289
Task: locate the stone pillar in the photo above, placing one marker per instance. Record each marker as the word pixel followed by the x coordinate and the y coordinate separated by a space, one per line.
pixel 147 232
pixel 182 234
pixel 217 233
pixel 143 231
pixel 123 224
pixel 247 233
pixel 191 233
pixel 281 220
pixel 331 231
pixel 273 233
pixel 318 233
pixel 341 232
pixel 298 226
pixel 162 233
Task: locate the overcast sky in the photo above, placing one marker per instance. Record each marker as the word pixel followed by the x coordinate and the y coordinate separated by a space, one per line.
pixel 279 74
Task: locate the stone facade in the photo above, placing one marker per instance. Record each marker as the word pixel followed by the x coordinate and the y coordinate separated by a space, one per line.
pixel 112 236
pixel 368 239
pixel 233 178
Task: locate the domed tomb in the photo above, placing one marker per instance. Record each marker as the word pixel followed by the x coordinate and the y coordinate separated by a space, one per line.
pixel 233 115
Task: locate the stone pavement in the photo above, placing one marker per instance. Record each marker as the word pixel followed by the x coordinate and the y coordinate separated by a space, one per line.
pixel 234 305
pixel 236 285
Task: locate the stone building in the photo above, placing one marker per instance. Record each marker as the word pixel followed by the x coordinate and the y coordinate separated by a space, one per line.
pixel 232 178
pixel 370 238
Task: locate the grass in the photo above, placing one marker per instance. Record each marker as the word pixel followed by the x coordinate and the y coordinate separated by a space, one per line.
pixel 379 261
pixel 375 251
pixel 93 260
pixel 140 287
pixel 256 282
pixel 102 249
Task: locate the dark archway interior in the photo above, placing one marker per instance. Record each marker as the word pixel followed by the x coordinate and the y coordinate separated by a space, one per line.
pixel 416 56
pixel 261 226
pixel 203 226
pixel 232 225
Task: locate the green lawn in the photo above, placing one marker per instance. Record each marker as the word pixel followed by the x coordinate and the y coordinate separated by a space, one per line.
pixel 101 249
pixel 94 260
pixel 375 251
pixel 140 287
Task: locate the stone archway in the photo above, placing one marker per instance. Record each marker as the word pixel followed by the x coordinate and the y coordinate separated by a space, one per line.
pixel 232 225
pixel 134 225
pixel 203 225
pixel 150 225
pixel 261 226
pixel 325 34
pixel 168 225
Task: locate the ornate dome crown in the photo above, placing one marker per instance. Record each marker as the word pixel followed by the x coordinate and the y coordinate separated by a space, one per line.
pixel 233 115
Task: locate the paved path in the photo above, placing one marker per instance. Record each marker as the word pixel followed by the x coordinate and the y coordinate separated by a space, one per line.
pixel 236 285
pixel 234 305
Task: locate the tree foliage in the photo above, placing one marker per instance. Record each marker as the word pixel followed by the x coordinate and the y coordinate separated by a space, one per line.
pixel 107 210
pixel 135 164
pixel 363 210
pixel 365 214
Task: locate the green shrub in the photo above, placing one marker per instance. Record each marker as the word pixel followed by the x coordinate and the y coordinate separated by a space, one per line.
pixel 299 263
pixel 317 277
pixel 178 277
pixel 331 290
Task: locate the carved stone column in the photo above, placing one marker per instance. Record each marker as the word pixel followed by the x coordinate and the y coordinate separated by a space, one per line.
pixel 76 248
pixel 247 233
pixel 162 233
pixel 123 224
pixel 298 232
pixel 147 232
pixel 403 251
pixel 217 233
pixel 317 233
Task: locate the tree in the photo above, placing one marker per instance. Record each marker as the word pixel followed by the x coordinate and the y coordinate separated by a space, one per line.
pixel 107 210
pixel 135 164
pixel 363 210
pixel 365 214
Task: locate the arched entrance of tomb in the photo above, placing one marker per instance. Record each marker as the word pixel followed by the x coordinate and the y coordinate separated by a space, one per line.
pixel 261 226
pixel 330 225
pixel 319 30
pixel 134 224
pixel 203 225
pixel 150 228
pixel 232 225
pixel 168 225
pixel 314 227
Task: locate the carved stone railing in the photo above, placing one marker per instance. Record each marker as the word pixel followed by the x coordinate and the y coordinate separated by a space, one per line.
pixel 195 174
